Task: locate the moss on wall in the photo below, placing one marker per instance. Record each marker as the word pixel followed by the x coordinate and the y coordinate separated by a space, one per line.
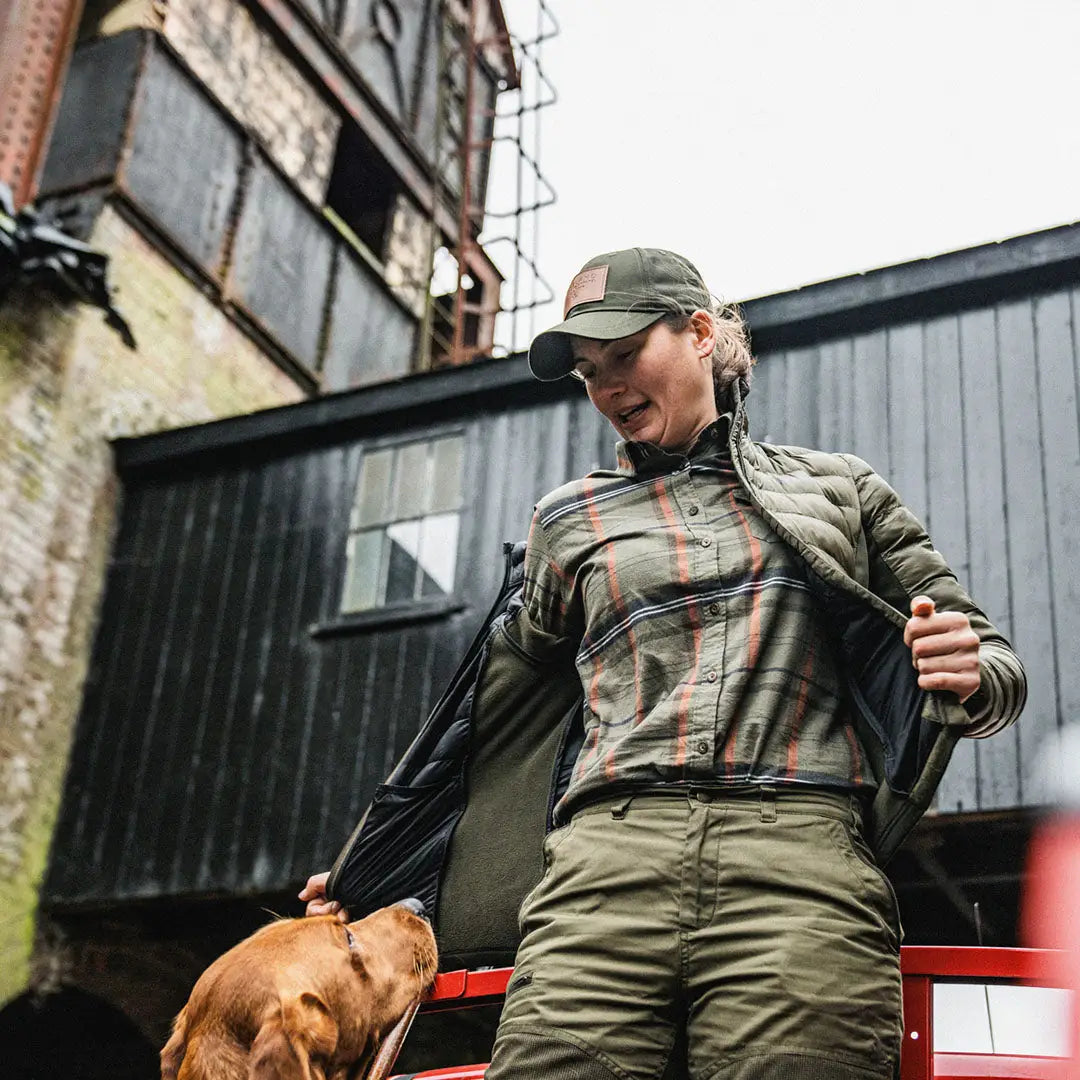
pixel 67 386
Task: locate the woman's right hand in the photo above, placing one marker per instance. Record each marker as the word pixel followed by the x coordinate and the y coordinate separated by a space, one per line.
pixel 314 892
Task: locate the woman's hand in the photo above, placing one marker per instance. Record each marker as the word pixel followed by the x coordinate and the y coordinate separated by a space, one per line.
pixel 314 892
pixel 944 648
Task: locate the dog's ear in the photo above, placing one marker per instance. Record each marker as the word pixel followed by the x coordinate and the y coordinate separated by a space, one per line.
pixel 299 1029
pixel 173 1051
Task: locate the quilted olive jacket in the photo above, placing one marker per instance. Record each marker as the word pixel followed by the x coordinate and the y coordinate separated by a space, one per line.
pixel 459 821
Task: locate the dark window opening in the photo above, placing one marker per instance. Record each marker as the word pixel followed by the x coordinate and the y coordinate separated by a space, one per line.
pixel 363 189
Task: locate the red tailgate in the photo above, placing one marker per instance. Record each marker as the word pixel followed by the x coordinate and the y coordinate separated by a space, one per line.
pixel 921 966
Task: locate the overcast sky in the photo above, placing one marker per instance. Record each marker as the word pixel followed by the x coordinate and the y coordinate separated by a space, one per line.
pixel 780 142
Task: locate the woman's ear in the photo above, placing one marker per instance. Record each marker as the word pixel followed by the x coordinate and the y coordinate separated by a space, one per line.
pixel 704 331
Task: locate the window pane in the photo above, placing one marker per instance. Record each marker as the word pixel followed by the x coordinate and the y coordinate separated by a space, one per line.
pixel 446 487
pixel 438 554
pixel 413 485
pixel 363 571
pixel 404 540
pixel 373 494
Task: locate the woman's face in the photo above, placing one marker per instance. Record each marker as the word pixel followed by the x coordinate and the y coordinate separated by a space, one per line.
pixel 655 386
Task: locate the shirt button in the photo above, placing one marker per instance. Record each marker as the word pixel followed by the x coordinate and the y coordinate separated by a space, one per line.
pixel 714 609
pixel 702 747
pixel 694 510
pixel 712 676
pixel 704 541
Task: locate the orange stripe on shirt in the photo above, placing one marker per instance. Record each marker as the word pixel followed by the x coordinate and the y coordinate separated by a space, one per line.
pixel 560 574
pixel 856 754
pixel 800 712
pixel 594 686
pixel 753 634
pixel 609 765
pixel 617 599
pixel 683 715
pixel 583 759
pixel 566 580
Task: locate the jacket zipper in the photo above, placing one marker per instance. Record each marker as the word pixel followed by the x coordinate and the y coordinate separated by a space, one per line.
pixel 823 569
pixel 840 581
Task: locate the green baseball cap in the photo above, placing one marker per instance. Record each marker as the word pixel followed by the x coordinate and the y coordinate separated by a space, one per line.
pixel 613 296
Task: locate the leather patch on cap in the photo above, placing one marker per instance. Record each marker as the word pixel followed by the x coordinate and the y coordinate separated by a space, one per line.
pixel 588 286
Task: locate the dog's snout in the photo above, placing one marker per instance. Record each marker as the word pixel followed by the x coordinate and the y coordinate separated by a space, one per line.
pixel 414 905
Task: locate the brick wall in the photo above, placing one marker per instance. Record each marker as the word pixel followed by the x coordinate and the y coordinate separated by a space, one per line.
pixel 68 385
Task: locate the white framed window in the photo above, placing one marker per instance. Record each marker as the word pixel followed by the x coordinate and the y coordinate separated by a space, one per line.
pixel 403 530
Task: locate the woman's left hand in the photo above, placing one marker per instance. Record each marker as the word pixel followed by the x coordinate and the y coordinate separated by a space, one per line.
pixel 314 892
pixel 944 648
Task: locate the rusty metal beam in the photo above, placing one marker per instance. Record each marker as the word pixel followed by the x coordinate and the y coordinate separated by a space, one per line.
pixel 466 226
pixel 36 39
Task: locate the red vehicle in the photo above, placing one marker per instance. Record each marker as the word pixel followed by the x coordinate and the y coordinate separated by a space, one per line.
pixel 1031 1041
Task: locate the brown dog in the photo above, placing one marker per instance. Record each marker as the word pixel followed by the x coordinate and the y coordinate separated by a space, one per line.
pixel 302 999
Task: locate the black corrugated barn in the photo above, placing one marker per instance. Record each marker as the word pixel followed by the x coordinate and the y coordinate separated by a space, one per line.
pixel 250 686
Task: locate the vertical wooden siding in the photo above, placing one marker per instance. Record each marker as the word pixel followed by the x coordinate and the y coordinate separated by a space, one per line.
pixel 973 419
pixel 222 747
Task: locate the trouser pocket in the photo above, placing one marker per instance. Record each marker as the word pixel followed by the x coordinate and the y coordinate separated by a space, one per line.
pixel 550 846
pixel 855 848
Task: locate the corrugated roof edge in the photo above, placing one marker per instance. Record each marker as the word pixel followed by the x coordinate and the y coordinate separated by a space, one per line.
pixel 971 277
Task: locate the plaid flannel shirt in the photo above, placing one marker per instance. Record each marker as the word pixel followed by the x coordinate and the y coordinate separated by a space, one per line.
pixel 700 652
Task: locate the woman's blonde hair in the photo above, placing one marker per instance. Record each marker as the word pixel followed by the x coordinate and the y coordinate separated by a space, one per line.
pixel 731 358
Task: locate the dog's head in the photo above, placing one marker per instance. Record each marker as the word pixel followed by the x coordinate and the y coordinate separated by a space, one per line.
pixel 393 954
pixel 302 998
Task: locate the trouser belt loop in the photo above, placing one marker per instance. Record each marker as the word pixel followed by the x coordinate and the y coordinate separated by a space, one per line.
pixel 856 814
pixel 768 803
pixel 618 811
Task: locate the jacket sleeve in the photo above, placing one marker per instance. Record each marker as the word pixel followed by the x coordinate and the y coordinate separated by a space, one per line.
pixel 903 564
pixel 548 620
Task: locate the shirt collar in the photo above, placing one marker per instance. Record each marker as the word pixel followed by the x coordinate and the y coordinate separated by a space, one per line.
pixel 636 458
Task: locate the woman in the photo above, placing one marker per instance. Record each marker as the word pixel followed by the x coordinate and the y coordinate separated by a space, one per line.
pixel 713 878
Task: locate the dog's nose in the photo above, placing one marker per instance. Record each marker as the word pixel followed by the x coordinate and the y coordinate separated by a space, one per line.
pixel 413 905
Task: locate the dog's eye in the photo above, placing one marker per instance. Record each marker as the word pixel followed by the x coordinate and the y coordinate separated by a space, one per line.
pixel 349 939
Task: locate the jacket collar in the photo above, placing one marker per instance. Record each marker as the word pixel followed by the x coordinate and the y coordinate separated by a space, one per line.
pixel 646 458
pixel 637 458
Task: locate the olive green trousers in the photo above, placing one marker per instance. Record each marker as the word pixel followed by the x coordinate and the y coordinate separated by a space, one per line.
pixel 752 926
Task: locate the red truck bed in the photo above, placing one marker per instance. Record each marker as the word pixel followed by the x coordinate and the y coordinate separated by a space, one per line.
pixel 922 967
